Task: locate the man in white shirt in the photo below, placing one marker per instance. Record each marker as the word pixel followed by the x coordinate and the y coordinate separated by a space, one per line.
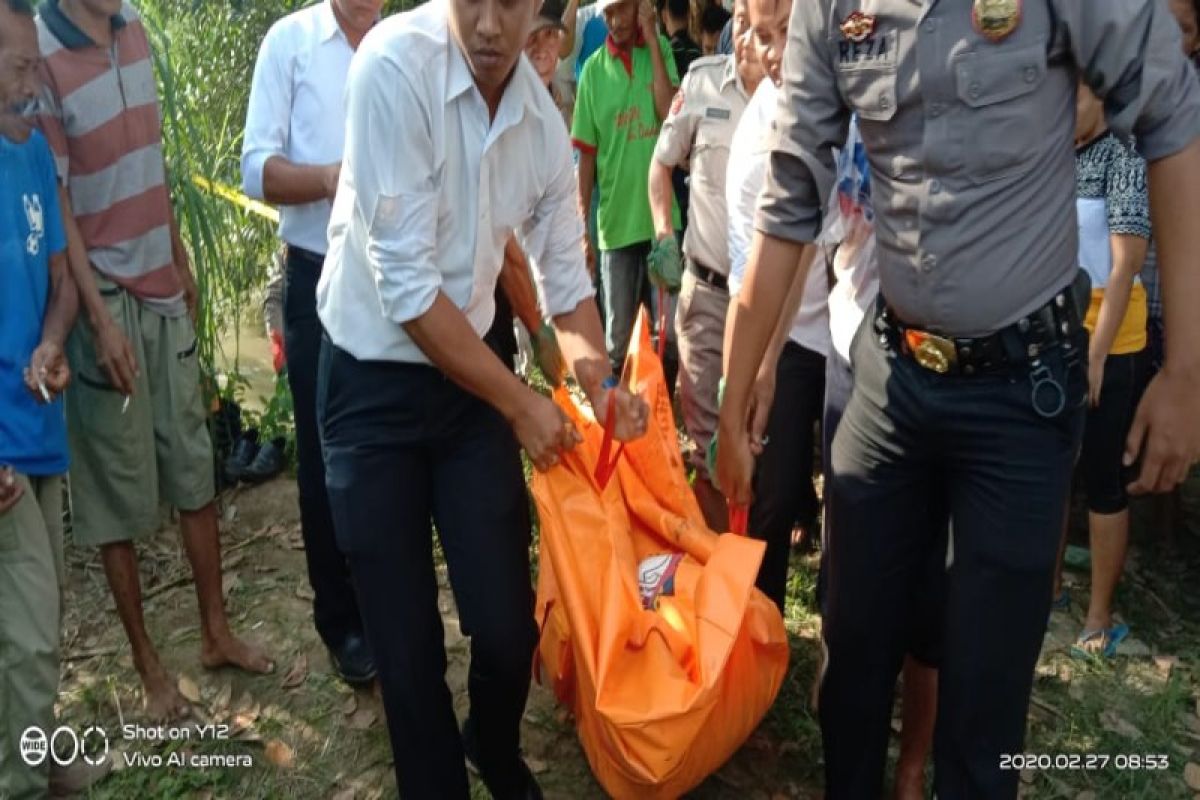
pixel 790 390
pixel 452 143
pixel 291 156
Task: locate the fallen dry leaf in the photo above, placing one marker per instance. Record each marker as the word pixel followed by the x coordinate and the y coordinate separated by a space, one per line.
pixel 1191 776
pixel 536 765
pixel 351 705
pixel 224 697
pixel 344 794
pixel 1165 664
pixel 305 593
pixel 279 754
pixel 1114 723
pixel 297 674
pixel 362 719
pixel 231 584
pixel 189 689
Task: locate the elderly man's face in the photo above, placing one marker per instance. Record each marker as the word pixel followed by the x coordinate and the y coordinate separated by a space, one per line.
pixel 622 21
pixel 19 81
pixel 360 15
pixel 542 51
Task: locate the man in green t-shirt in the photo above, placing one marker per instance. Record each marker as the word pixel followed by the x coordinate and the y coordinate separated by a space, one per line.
pixel 625 93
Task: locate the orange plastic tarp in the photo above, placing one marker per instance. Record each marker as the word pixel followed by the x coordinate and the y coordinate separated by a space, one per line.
pixel 662 696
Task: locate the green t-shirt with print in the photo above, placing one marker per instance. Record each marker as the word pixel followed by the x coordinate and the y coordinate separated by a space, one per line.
pixel 615 117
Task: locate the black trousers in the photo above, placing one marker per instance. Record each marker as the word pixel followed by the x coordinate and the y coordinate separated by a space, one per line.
pixel 335 610
pixel 406 449
pixel 908 438
pixel 783 485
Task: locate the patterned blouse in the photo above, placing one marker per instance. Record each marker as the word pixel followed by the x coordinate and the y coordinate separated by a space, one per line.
pixel 1108 170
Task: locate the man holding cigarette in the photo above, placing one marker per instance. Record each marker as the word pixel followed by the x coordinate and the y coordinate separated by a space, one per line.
pixel 135 415
pixel 38 303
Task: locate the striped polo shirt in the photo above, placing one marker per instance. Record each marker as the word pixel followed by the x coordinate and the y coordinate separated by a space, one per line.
pixel 102 120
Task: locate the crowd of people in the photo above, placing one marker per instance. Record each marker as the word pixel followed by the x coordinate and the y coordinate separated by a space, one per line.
pixel 929 235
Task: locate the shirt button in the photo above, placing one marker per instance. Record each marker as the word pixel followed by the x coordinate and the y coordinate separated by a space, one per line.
pixel 885 102
pixel 975 89
pixel 930 25
pixel 935 186
pixel 928 262
pixel 1031 74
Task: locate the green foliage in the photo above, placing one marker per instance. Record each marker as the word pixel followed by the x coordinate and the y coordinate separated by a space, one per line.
pixel 204 53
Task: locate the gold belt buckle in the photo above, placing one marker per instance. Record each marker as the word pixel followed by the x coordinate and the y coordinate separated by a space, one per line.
pixel 931 351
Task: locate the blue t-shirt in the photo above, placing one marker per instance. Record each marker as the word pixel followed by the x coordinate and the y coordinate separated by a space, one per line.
pixel 33 437
pixel 591 37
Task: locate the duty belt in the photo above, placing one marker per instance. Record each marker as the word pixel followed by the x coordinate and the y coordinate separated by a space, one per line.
pixel 1053 325
pixel 709 276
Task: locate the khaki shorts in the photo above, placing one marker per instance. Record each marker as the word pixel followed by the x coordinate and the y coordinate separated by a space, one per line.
pixel 122 464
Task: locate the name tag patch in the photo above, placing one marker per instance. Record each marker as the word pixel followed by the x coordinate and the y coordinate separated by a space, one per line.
pixel 717 113
pixel 878 50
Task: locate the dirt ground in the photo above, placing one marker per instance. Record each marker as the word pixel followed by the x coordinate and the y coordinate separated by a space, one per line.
pixel 308 736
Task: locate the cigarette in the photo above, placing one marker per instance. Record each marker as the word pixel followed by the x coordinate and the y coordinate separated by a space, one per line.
pixel 125 405
pixel 42 389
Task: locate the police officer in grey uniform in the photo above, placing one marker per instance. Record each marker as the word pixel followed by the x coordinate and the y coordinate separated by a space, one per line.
pixel 970 381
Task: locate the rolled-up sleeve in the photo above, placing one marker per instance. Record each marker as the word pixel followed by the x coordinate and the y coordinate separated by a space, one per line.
pixel 390 160
pixel 810 121
pixel 553 238
pixel 268 116
pixel 1130 54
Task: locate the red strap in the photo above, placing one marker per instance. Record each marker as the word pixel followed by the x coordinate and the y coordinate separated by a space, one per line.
pixel 739 519
pixel 662 322
pixel 606 466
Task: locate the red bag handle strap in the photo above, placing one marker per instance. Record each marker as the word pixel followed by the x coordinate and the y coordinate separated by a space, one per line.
pixel 739 519
pixel 606 465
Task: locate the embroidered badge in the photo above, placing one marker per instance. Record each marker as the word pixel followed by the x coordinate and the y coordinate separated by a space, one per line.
pixel 995 20
pixel 858 27
pixel 677 102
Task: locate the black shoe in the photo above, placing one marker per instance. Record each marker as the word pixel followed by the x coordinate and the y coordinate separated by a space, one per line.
pixel 244 451
pixel 352 661
pixel 268 462
pixel 519 775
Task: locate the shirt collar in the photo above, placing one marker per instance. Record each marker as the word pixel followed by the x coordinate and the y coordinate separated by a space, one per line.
pixel 731 75
pixel 624 56
pixel 517 97
pixel 66 31
pixel 328 23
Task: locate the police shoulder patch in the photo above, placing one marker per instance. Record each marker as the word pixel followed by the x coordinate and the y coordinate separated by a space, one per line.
pixel 677 102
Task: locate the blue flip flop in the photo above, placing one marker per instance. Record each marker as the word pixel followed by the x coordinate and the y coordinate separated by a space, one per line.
pixel 1062 602
pixel 1111 639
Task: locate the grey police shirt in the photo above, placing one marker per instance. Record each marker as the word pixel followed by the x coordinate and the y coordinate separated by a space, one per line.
pixel 970 139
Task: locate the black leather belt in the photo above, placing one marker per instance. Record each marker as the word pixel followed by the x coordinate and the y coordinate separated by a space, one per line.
pixel 709 276
pixel 1056 324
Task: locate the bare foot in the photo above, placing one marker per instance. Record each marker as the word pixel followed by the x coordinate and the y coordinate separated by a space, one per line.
pixel 231 651
pixel 162 701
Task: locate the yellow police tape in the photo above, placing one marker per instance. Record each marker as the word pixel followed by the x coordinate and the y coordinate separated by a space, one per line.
pixel 237 198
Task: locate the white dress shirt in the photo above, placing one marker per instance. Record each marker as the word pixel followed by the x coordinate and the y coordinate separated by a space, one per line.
pixel 297 111
pixel 431 191
pixel 744 181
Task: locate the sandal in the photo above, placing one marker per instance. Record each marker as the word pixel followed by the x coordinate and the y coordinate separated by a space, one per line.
pixel 1062 602
pixel 1109 641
